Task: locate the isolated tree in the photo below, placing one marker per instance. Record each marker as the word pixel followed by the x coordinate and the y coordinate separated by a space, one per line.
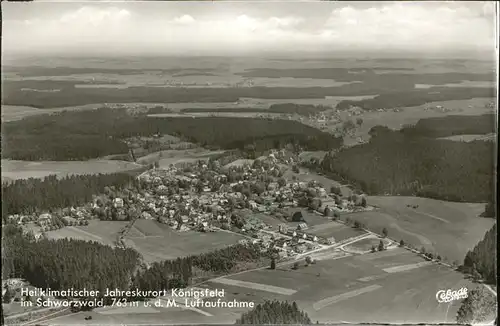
pixel 308 260
pixel 336 190
pixel 295 265
pixel 381 246
pixel 359 121
pixel 273 263
pixel 357 225
pixel 401 243
pixel 384 232
pixel 478 307
pixel 363 201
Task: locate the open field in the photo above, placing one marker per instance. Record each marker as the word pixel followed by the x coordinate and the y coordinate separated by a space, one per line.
pixel 14 170
pixel 310 218
pixel 161 242
pixel 366 244
pixel 168 157
pixel 447 228
pixel 411 115
pixel 105 232
pixel 469 138
pixel 307 175
pixel 349 289
pixel 336 230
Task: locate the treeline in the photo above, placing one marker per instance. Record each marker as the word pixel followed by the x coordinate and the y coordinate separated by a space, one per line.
pixel 285 108
pixel 275 313
pixel 68 263
pixel 179 273
pixel 255 146
pixel 453 125
pixel 99 133
pixel 15 93
pixel 370 75
pixel 481 261
pixel 64 264
pixel 398 164
pixel 418 97
pixel 38 195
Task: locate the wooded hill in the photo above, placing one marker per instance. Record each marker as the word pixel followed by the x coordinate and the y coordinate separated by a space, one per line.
pixel 398 163
pixel 54 264
pixel 482 258
pixel 81 135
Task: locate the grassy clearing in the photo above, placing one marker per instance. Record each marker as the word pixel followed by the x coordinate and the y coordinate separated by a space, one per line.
pixel 336 230
pixel 411 115
pixel 15 170
pixel 168 157
pixel 469 138
pixel 366 244
pixel 165 243
pixel 104 232
pixel 449 229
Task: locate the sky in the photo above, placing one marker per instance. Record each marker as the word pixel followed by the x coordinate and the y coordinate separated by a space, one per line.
pixel 218 28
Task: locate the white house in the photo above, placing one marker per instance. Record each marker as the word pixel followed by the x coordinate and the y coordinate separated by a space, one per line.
pixel 118 203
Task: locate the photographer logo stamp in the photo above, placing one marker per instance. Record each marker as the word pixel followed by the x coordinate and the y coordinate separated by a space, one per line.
pixel 444 296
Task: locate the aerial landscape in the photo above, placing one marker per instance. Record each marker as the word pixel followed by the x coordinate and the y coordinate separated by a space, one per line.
pixel 316 162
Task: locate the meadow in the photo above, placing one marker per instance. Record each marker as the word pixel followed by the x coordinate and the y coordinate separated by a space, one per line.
pixel 105 232
pixel 446 228
pixel 360 288
pixel 160 242
pixel 13 169
pixel 336 230
pixel 167 157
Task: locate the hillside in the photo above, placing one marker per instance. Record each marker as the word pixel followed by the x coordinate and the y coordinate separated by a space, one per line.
pixel 400 164
pixel 80 135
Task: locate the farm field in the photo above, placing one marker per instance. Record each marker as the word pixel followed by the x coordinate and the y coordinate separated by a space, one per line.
pixel 310 218
pixel 411 115
pixel 159 242
pixel 469 138
pixel 336 230
pixel 14 170
pixel 366 244
pixel 307 175
pixel 334 290
pixel 447 228
pixel 168 157
pixel 105 232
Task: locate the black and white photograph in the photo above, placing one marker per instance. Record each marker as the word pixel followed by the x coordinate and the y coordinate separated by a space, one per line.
pixel 249 162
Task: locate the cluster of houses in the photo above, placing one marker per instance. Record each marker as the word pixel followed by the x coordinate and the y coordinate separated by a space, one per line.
pixel 202 196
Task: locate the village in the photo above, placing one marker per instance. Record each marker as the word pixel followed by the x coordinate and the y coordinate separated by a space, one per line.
pixel 251 198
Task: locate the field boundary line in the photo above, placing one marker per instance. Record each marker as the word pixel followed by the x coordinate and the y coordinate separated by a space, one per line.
pixel 254 286
pixel 344 296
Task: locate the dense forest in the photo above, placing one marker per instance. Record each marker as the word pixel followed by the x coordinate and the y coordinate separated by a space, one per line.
pixel 80 135
pixel 54 264
pixel 416 97
pixel 39 195
pixel 453 125
pixel 285 108
pixel 64 264
pixel 396 163
pixel 478 308
pixel 394 89
pixel 481 261
pixel 274 313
